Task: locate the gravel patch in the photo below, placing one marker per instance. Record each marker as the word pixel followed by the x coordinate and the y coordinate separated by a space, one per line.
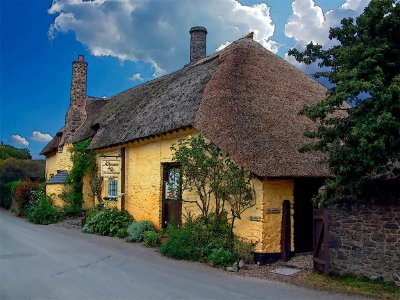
pixel 302 262
pixel 71 223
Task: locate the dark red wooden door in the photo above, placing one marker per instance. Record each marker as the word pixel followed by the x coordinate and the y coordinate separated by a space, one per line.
pixel 172 196
pixel 320 241
pixel 285 231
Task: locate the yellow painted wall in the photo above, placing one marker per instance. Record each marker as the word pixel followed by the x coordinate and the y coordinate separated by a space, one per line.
pixel 144 175
pixel 59 161
pixel 112 151
pixel 143 195
pixel 55 191
pixel 62 161
pixel 275 192
pixel 88 197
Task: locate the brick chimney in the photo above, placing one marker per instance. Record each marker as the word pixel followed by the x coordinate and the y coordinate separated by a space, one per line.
pixel 76 114
pixel 197 43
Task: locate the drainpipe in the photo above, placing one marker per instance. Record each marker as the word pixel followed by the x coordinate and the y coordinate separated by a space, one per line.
pixel 123 178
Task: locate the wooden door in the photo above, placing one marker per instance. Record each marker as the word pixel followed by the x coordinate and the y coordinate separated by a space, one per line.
pixel 172 196
pixel 320 241
pixel 285 231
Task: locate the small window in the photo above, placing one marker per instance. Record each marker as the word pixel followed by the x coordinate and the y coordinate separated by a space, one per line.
pixel 60 149
pixel 112 188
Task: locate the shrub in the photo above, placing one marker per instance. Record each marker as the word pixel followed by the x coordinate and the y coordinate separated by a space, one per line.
pixel 108 222
pixel 6 191
pixel 196 239
pixel 22 194
pixel 151 238
pixel 243 250
pixel 221 257
pixel 136 229
pixel 42 210
pixel 70 207
pixel 121 233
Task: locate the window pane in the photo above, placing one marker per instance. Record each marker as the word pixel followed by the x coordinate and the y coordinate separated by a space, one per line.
pixel 112 188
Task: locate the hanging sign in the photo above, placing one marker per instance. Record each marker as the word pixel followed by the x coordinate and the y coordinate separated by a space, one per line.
pixel 110 167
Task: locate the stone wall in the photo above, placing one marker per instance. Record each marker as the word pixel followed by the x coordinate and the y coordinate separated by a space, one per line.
pixel 76 114
pixel 364 240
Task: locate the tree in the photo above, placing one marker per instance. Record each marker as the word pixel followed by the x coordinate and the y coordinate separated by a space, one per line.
pixel 7 151
pixel 361 139
pixel 214 177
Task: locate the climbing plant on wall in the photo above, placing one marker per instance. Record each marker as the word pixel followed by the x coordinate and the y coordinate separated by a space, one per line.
pixel 84 163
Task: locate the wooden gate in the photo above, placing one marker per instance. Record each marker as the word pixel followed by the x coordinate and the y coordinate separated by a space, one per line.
pixel 320 241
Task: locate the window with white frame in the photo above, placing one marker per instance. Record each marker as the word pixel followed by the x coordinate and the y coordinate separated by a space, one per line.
pixel 112 188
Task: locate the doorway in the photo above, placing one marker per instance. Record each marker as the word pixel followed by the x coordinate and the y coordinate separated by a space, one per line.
pixel 304 190
pixel 171 195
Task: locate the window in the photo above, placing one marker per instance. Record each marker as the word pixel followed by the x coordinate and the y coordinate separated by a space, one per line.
pixel 112 188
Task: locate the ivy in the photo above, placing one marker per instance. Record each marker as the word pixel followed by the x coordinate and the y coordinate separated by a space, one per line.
pixel 84 163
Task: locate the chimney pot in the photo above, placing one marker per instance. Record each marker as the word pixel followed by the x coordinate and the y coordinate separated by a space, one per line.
pixel 197 43
pixel 81 58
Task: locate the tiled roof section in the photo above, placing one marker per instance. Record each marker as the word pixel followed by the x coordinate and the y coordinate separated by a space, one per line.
pixel 59 178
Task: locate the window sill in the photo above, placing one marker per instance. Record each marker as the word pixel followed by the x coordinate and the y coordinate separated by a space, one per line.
pixel 110 198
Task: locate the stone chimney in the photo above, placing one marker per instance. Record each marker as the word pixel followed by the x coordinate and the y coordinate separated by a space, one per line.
pixel 197 43
pixel 76 114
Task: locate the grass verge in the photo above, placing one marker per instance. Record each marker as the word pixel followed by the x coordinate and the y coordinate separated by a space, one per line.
pixel 353 285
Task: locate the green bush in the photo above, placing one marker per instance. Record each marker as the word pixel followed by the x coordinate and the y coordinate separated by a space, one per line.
pixel 108 222
pixel 42 211
pixel 22 194
pixel 243 250
pixel 196 239
pixel 121 233
pixel 136 229
pixel 221 257
pixel 6 189
pixel 151 238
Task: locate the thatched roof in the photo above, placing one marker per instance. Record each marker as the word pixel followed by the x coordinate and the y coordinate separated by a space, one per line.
pixel 159 106
pixel 53 144
pixel 250 111
pixel 93 108
pixel 244 98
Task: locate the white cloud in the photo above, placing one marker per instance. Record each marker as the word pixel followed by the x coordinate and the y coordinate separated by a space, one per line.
pixel 223 45
pixel 17 139
pixel 136 77
pixel 157 32
pixel 41 137
pixel 309 23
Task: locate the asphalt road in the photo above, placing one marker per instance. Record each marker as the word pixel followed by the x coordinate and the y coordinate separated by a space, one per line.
pixel 52 262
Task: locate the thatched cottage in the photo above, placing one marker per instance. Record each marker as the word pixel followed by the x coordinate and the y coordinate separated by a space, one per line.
pixel 244 99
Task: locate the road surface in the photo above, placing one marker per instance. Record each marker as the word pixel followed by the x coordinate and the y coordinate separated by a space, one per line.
pixel 53 262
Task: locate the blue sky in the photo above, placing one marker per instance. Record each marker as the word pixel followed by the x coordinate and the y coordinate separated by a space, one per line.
pixel 127 43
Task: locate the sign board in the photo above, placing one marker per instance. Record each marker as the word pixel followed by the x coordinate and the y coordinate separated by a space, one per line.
pixel 255 218
pixel 273 210
pixel 110 167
